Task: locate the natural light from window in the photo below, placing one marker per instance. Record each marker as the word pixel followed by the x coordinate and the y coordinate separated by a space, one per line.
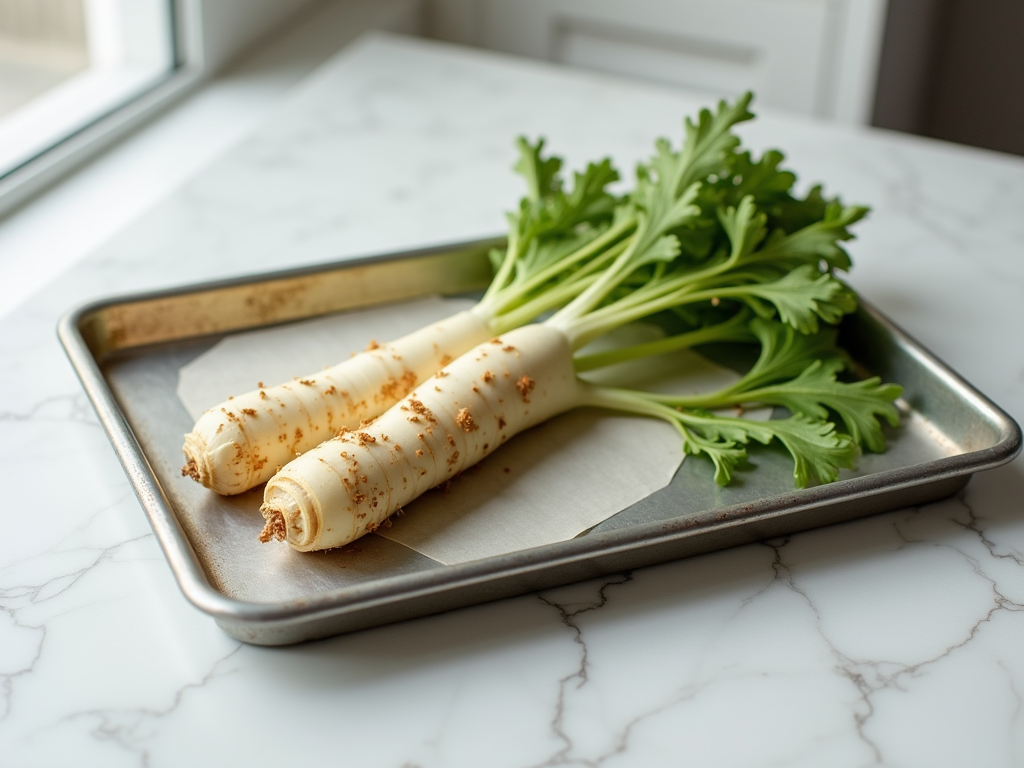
pixel 66 63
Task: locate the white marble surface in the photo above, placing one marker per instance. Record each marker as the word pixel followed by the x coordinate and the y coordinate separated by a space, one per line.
pixel 894 640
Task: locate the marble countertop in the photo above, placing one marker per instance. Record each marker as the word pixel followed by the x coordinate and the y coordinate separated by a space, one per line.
pixel 893 640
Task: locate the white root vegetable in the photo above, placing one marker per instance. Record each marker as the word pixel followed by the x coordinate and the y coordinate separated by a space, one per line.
pixel 245 440
pixel 557 242
pixel 348 486
pixel 640 265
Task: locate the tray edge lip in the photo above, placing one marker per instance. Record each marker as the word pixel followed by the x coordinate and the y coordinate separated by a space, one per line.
pixel 83 310
pixel 174 543
pixel 177 549
pixel 196 587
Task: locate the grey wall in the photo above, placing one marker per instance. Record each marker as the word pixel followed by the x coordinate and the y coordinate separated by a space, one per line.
pixel 954 70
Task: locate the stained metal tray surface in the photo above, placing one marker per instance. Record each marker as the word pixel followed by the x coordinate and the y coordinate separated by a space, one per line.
pixel 127 352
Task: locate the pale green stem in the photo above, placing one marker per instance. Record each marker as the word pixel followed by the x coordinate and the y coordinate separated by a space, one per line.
pixel 628 401
pixel 734 329
pixel 504 273
pixel 502 299
pixel 596 292
pixel 546 301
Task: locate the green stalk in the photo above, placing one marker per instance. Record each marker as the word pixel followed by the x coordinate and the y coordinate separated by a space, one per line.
pixel 504 273
pixel 555 296
pixel 734 329
pixel 500 301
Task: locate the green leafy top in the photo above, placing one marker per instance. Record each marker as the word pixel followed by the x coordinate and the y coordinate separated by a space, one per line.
pixel 795 371
pixel 716 245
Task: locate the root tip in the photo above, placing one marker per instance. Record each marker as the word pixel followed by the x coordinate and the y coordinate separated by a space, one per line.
pixel 275 527
pixel 191 470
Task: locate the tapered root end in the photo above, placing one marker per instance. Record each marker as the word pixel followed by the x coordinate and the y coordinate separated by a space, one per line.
pixel 275 527
pixel 197 463
pixel 191 470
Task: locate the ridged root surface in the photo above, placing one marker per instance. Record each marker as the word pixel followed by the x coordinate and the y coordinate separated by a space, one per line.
pixel 349 485
pixel 242 442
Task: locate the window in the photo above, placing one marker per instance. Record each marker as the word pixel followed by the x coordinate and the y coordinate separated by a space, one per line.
pixel 67 65
pixel 76 75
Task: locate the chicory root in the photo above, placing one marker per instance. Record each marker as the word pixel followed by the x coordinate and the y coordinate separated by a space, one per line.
pixel 709 239
pixel 347 486
pixel 558 240
pixel 245 440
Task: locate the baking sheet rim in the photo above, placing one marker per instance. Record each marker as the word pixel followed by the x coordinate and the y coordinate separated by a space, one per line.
pixel 192 579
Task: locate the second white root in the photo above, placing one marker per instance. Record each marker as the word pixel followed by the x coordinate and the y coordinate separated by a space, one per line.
pixel 348 486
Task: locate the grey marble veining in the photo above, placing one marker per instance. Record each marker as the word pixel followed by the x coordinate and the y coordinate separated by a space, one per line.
pixel 893 640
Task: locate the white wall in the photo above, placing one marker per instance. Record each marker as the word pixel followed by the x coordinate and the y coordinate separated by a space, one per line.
pixel 816 57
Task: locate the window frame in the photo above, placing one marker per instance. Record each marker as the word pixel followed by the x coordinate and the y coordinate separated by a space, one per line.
pixel 207 35
pixel 186 71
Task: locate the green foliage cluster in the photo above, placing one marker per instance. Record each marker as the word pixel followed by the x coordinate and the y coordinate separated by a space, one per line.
pixel 714 245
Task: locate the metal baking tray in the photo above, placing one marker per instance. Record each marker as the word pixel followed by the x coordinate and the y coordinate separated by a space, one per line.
pixel 127 352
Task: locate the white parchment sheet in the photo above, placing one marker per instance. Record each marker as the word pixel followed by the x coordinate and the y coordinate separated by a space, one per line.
pixel 547 485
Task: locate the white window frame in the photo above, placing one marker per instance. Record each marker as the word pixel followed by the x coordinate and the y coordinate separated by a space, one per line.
pixel 208 34
pixel 130 49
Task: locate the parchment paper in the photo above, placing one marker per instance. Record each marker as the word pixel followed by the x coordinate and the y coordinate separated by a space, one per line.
pixel 547 485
